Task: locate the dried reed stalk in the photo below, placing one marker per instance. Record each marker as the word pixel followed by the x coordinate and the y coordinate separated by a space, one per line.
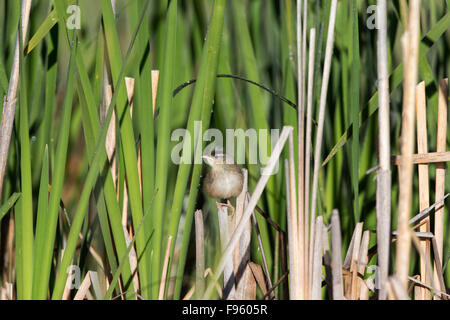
pixel 327 258
pixel 277 262
pixel 162 285
pixel 438 273
pixel 199 255
pixel 362 289
pixel 258 276
pixel 129 83
pixel 242 252
pixel 336 247
pixel 410 41
pixel 425 213
pixel 155 78
pixel 84 288
pixel 398 288
pixel 440 172
pixel 317 261
pixel 305 26
pixel 383 197
pixel 353 293
pixel 416 242
pixel 110 142
pixel 323 98
pixel 190 293
pixel 6 291
pixel 319 136
pixel 9 104
pixel 301 150
pixel 291 232
pixel 267 171
pixel 297 251
pixel 67 288
pixel 261 248
pixel 424 197
pixel 228 274
pixel 348 255
pixel 248 281
pixel 312 42
pixel 430 157
pixel 430 288
pixel 90 279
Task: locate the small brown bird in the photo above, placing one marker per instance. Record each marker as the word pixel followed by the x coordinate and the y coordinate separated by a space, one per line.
pixel 225 179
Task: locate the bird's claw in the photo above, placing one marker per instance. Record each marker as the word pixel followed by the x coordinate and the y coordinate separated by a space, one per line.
pixel 221 206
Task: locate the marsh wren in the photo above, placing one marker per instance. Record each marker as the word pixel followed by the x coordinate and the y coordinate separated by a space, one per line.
pixel 225 179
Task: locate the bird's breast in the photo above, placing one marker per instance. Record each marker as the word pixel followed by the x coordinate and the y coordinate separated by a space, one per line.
pixel 222 184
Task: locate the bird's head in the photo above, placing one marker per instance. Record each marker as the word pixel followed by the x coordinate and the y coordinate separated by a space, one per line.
pixel 218 158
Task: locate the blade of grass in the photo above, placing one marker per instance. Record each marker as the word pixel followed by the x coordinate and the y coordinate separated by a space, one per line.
pixel 100 193
pixel 164 101
pixel 43 30
pixel 92 128
pixel 145 101
pixel 395 79
pixel 3 77
pixel 97 158
pixel 258 114
pixel 45 241
pixel 127 142
pixel 354 106
pixel 44 132
pixel 24 217
pixel 200 109
pixel 4 209
pixel 124 258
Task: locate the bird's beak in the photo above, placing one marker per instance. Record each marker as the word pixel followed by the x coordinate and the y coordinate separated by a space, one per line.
pixel 209 160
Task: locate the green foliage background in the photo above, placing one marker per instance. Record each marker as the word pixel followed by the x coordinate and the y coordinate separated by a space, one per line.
pixel 58 183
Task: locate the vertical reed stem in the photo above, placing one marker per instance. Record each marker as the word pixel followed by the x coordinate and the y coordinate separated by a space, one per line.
pixel 317 261
pixel 440 171
pixel 312 42
pixel 410 42
pixel 336 247
pixel 9 106
pixel 383 197
pixel 199 255
pixel 294 219
pixel 323 98
pixel 301 153
pixel 319 136
pixel 424 197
